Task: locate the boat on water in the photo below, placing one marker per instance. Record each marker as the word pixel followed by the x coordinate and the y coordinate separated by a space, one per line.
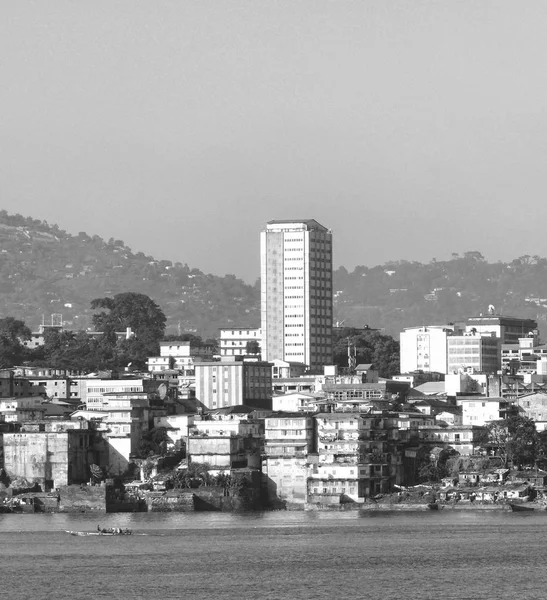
pixel 107 532
pixel 521 508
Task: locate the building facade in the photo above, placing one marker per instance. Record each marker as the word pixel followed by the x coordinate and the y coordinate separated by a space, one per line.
pixel 296 292
pixel 233 340
pixel 473 351
pixel 508 329
pixel 424 348
pixel 234 382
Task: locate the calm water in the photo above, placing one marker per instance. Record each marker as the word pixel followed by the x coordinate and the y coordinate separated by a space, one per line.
pixel 277 556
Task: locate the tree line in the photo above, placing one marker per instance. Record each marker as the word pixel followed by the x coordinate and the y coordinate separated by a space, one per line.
pixel 80 351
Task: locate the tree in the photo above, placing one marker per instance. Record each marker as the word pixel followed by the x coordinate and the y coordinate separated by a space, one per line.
pixel 13 334
pixel 514 439
pixel 154 442
pixel 135 311
pixel 252 347
pixel 370 346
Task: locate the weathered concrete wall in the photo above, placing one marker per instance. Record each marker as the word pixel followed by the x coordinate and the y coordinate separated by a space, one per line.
pixel 49 458
pixel 84 498
pixel 170 501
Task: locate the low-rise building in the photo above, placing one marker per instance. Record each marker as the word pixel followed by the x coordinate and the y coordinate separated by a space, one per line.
pixel 19 410
pixel 179 356
pixel 465 439
pixel 479 410
pixel 230 382
pixel 294 402
pixel 233 340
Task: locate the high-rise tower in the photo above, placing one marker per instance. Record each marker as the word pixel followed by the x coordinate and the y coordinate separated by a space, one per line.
pixel 296 292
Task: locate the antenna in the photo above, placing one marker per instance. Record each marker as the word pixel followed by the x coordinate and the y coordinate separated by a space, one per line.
pixel 352 360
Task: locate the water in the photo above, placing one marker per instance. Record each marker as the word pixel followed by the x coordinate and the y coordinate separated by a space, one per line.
pixel 279 555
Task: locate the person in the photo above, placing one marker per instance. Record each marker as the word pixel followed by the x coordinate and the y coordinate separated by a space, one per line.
pixel 99 528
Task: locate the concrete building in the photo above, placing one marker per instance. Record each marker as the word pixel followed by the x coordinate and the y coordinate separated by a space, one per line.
pixel 474 352
pixel 289 439
pixel 534 406
pixel 358 457
pixel 12 386
pixel 179 356
pixel 294 402
pixel 465 439
pixel 121 422
pixel 507 329
pixel 283 369
pixel 231 382
pixel 479 410
pixel 97 388
pixel 296 292
pixel 295 384
pixel 233 340
pixel 425 348
pixel 19 410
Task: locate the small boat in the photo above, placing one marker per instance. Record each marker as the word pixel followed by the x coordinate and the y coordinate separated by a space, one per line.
pixel 521 508
pixel 108 532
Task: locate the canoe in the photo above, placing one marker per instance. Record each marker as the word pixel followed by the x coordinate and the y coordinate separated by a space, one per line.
pixel 521 508
pixel 87 533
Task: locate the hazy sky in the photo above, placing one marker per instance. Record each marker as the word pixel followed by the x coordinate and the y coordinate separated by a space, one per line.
pixel 412 129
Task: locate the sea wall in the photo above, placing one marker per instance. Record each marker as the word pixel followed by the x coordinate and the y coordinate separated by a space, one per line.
pixel 169 501
pixel 82 498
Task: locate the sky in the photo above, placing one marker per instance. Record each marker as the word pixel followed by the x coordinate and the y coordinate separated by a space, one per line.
pixel 413 129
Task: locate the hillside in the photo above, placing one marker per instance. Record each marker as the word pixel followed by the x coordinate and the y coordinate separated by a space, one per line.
pixel 405 294
pixel 45 270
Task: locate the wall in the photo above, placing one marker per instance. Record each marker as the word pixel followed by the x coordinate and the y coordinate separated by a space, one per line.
pixel 47 458
pixel 82 498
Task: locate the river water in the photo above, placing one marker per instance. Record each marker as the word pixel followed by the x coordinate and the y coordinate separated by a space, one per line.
pixel 276 555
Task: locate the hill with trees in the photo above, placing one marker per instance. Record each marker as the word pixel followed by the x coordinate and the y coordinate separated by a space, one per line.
pixel 45 270
pixel 406 294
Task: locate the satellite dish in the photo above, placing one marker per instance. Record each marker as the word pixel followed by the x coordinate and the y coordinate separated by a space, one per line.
pixel 162 391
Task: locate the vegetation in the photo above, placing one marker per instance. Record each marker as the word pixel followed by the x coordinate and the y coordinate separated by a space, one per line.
pixel 13 334
pixel 252 347
pixel 137 312
pixel 372 347
pixel 514 440
pixel 154 442
pixel 434 470
pixel 404 294
pixel 45 270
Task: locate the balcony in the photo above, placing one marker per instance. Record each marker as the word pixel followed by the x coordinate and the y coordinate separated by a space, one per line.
pixel 375 458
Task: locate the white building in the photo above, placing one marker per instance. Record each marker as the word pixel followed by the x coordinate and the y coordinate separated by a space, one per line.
pixel 233 340
pixel 480 410
pixel 179 356
pixel 296 292
pixel 234 382
pixel 425 348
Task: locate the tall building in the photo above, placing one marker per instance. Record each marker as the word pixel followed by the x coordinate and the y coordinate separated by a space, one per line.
pixel 296 292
